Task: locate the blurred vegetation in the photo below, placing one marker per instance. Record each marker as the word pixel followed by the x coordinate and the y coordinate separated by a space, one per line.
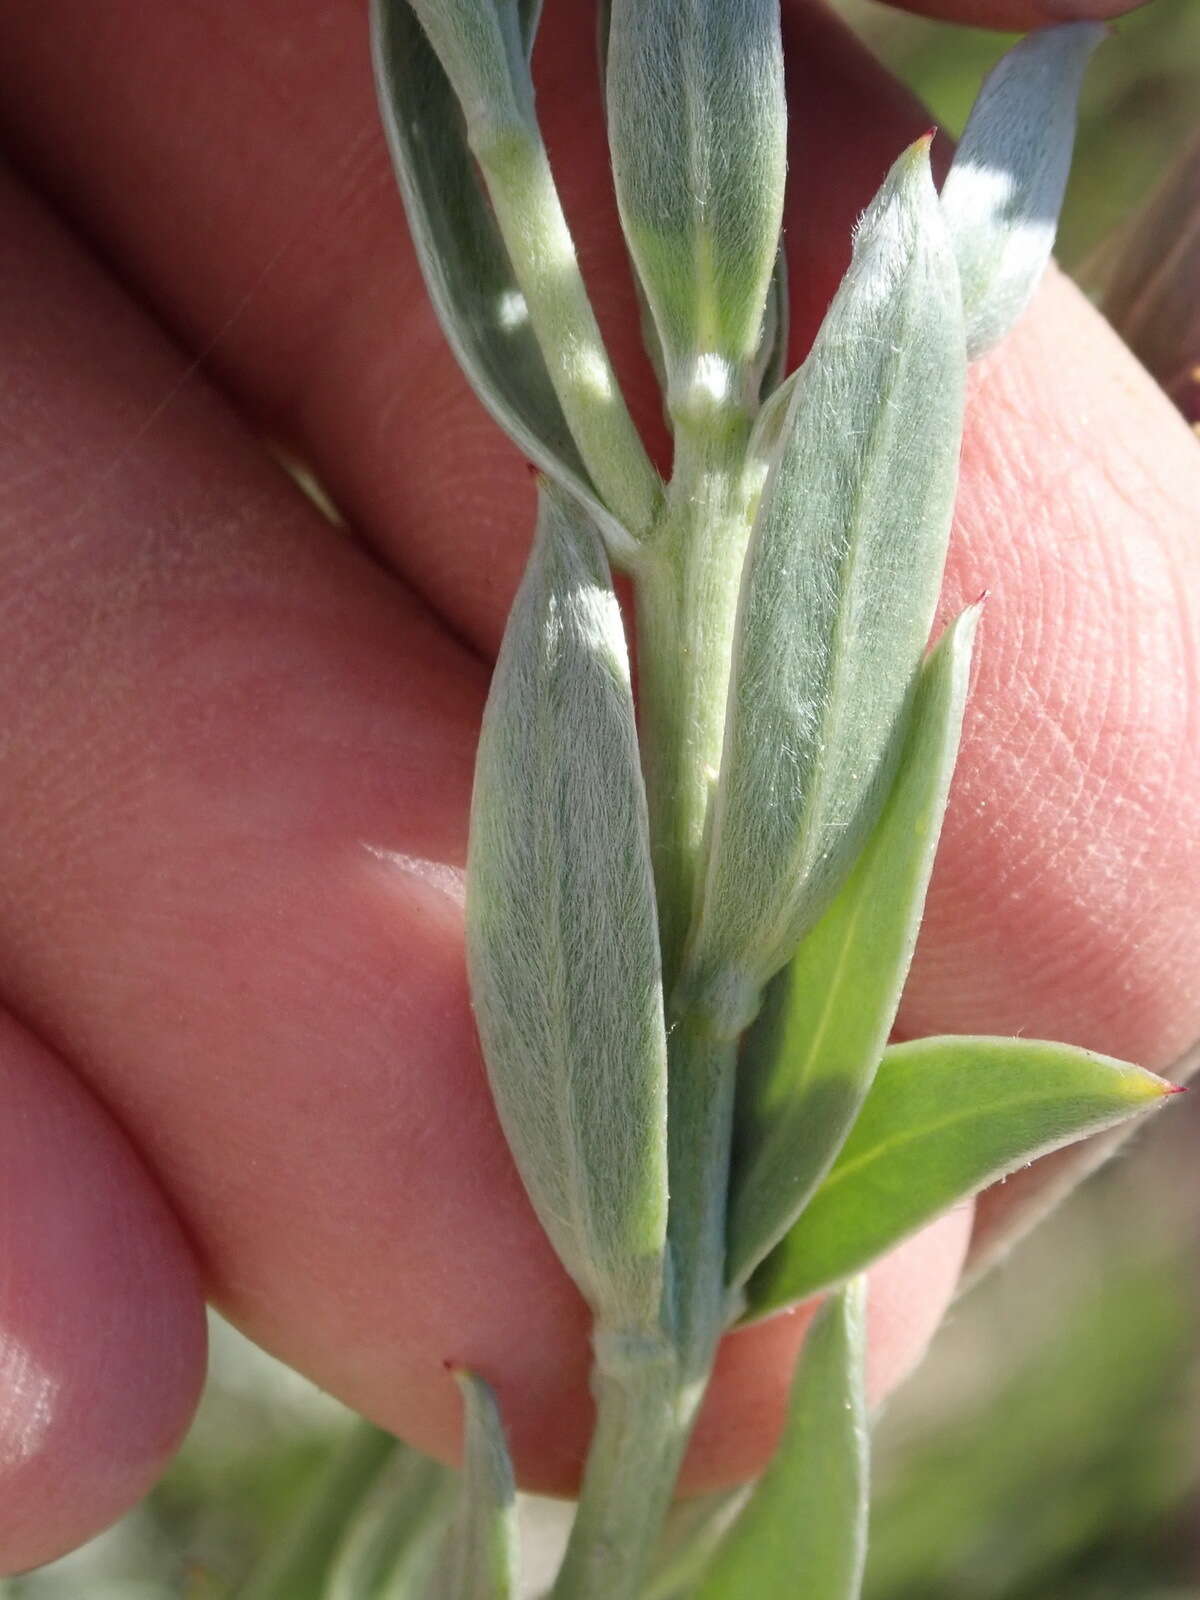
pixel 1050 1447
pixel 1140 105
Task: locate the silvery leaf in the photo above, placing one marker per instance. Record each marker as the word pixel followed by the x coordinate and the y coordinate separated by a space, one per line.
pixel 807 1064
pixel 804 1530
pixel 944 1118
pixel 562 928
pixel 481 1552
pixel 697 121
pixel 1004 190
pixel 467 270
pixel 838 594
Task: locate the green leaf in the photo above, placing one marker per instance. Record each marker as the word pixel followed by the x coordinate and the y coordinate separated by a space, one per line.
pixel 562 929
pixel 482 1550
pixel 392 1546
pixel 1004 190
pixel 804 1531
pixel 697 124
pixel 944 1118
pixel 808 1062
pixel 842 577
pixel 468 273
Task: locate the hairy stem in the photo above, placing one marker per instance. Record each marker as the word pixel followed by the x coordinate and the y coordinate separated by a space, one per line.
pixel 641 1430
pixel 687 590
pixel 542 252
pixel 686 604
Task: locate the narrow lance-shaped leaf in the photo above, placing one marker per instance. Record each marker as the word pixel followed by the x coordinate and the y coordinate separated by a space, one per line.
pixel 1005 187
pixel 807 1063
pixel 470 277
pixel 804 1530
pixel 481 1556
pixel 944 1118
pixel 841 581
pixel 697 123
pixel 562 929
pixel 1006 1214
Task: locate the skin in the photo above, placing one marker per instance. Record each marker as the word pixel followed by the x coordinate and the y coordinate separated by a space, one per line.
pixel 237 743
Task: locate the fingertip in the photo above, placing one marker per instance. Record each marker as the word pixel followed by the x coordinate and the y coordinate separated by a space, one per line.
pixel 102 1332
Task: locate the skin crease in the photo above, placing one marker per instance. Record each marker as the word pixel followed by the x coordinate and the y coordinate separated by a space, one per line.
pixel 237 744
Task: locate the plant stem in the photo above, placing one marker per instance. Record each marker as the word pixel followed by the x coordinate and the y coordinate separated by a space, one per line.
pixel 687 610
pixel 642 1427
pixel 531 220
pixel 701 1067
pixel 687 589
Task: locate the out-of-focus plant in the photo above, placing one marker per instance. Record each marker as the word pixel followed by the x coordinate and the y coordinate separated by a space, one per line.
pixel 1151 282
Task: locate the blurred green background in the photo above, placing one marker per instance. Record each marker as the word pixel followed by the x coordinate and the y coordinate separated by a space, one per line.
pixel 1049 1449
pixel 1140 104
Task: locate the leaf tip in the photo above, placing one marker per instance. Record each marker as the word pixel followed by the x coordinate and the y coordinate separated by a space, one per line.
pixel 916 156
pixel 1148 1087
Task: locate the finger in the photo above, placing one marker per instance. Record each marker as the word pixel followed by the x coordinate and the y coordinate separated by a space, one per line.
pixel 234 797
pixel 101 1319
pixel 848 84
pixel 1068 873
pixel 275 242
pixel 1018 16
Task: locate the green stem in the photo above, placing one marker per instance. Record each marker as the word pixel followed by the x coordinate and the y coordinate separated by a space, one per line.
pixel 687 610
pixel 642 1426
pixel 525 200
pixel 702 1068
pixel 687 589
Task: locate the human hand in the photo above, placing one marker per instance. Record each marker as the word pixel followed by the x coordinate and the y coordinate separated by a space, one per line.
pixel 238 743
